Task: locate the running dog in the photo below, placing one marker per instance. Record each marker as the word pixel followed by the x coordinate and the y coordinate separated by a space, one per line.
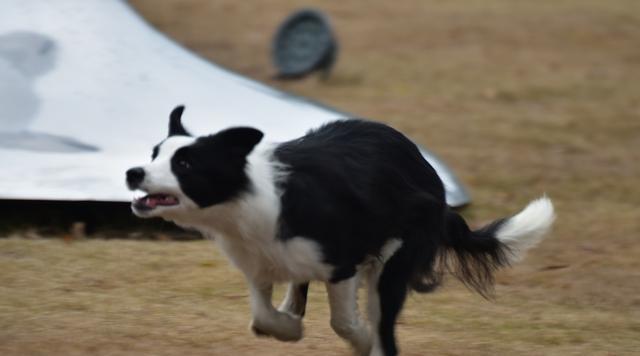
pixel 351 201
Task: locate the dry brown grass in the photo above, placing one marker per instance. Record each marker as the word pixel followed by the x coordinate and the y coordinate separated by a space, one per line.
pixel 519 97
pixel 140 297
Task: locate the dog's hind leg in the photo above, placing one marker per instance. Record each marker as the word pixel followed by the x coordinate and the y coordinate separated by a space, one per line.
pixel 345 316
pixel 387 291
pixel 295 301
pixel 267 321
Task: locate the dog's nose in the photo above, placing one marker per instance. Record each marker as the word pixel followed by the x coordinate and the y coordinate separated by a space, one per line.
pixel 135 176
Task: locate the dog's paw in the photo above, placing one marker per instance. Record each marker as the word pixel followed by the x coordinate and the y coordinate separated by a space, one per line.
pixel 257 331
pixel 281 326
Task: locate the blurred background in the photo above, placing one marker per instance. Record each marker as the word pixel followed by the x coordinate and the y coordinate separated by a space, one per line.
pixel 520 98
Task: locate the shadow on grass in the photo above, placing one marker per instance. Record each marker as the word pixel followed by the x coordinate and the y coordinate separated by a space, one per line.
pixel 84 218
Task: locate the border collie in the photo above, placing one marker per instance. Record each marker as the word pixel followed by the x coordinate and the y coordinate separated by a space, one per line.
pixel 351 201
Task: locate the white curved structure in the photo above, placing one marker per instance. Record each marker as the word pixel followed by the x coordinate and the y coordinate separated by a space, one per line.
pixel 86 88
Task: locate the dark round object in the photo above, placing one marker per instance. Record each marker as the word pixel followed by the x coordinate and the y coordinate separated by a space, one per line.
pixel 304 43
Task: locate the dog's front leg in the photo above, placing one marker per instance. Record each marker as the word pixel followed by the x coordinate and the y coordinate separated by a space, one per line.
pixel 267 321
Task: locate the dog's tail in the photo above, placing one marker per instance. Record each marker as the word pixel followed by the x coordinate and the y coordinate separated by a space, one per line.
pixel 473 256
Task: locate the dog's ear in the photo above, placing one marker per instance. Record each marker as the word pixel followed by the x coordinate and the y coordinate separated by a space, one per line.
pixel 241 140
pixel 175 122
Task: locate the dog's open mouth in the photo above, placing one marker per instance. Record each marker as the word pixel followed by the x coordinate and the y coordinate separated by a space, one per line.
pixel 152 201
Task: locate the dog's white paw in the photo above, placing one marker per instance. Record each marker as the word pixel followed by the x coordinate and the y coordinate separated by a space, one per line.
pixel 279 325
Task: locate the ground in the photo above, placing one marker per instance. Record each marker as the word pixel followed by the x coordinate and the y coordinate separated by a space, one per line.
pixel 519 98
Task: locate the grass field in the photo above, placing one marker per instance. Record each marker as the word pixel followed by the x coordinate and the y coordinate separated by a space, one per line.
pixel 518 97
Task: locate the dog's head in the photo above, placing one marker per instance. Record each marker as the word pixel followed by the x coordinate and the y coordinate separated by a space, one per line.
pixel 188 173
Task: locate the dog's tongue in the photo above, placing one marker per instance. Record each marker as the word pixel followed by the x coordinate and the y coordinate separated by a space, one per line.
pixel 153 200
pixel 161 199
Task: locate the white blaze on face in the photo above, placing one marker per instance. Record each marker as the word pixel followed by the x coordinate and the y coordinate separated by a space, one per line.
pixel 158 174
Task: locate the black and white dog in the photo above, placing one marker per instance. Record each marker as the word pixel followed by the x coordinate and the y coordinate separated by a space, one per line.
pixel 348 202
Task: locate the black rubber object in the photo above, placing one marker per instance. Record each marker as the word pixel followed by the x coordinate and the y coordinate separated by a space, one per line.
pixel 304 43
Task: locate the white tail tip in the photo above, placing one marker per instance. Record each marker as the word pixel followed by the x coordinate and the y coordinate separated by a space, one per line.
pixel 524 230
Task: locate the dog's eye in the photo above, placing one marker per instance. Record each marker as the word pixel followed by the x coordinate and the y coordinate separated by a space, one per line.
pixel 184 164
